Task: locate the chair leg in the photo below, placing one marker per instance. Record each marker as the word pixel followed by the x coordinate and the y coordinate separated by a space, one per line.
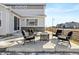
pixel 24 43
pixel 69 43
pixel 34 41
pixel 60 41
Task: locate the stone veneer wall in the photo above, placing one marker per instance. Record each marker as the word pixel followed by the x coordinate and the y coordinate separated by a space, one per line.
pixel 36 29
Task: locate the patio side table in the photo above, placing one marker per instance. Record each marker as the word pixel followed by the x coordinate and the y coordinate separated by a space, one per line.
pixel 44 36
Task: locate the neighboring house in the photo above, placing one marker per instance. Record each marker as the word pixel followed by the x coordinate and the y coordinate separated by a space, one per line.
pixel 71 25
pixel 14 17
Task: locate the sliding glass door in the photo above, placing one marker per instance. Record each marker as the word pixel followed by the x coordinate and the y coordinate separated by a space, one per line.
pixel 16 23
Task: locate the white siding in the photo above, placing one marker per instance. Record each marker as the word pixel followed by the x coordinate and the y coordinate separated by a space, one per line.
pixel 40 21
pixel 4 18
pixel 11 22
pixel 23 22
pixel 7 21
pixel 30 12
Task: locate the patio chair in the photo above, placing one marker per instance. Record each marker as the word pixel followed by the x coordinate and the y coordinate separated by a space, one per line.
pixel 27 38
pixel 66 38
pixel 59 32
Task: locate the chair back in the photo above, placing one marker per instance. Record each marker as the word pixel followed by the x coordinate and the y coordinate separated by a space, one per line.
pixel 59 32
pixel 69 35
pixel 23 33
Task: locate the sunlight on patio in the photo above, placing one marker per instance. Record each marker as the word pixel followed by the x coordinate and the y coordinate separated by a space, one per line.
pixel 49 45
pixel 37 46
pixel 74 46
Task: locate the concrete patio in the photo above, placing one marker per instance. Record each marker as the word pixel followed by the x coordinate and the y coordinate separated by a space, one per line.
pixel 39 46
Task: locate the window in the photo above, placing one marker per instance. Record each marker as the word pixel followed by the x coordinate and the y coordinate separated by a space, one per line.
pixel 16 23
pixel 31 22
pixel 0 22
pixel 0 18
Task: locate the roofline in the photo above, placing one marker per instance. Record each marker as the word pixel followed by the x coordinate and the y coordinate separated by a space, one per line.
pixel 17 13
pixel 34 16
pixel 10 9
pixel 24 4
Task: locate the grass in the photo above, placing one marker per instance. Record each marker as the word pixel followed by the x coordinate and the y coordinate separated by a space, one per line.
pixel 75 37
pixel 75 41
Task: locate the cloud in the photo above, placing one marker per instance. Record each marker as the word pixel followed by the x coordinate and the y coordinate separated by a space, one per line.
pixel 63 10
pixel 62 15
pixel 55 10
pixel 59 11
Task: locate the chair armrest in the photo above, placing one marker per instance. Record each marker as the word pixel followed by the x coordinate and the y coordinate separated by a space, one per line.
pixel 61 37
pixel 68 37
pixel 54 34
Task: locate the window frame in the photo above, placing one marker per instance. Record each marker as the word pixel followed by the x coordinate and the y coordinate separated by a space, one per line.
pixel 0 17
pixel 16 23
pixel 29 22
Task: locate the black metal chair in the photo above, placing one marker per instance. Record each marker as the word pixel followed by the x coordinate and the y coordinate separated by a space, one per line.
pixel 59 32
pixel 66 38
pixel 27 38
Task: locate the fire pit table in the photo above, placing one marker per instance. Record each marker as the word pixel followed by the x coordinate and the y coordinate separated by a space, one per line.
pixel 44 36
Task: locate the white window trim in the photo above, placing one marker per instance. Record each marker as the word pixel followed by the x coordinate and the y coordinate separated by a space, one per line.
pixel 29 21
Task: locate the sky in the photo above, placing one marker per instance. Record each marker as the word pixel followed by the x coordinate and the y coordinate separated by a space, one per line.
pixel 61 12
pixel 57 11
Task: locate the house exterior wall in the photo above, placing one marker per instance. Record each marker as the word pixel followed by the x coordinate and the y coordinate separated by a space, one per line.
pixel 11 22
pixel 39 27
pixel 7 21
pixel 30 11
pixel 40 22
pixel 4 19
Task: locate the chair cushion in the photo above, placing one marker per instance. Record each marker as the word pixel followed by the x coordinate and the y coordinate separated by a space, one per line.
pixel 30 37
pixel 62 37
